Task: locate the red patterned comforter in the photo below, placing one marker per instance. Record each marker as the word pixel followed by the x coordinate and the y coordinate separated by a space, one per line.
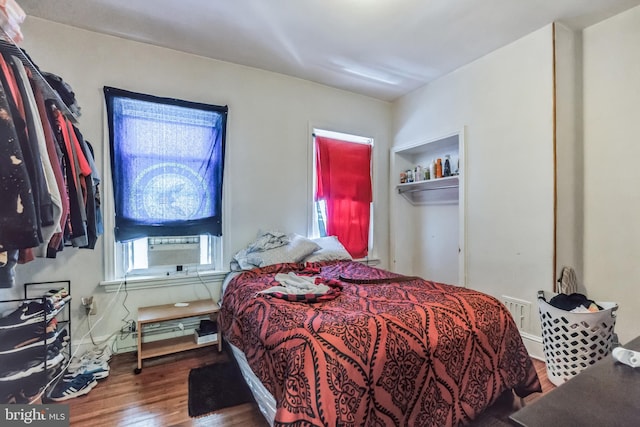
pixel 415 353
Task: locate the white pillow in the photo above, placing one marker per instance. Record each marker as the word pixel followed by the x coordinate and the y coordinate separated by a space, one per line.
pixel 296 250
pixel 330 250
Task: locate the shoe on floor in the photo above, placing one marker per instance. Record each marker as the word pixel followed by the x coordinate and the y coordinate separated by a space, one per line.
pixel 628 357
pixel 96 356
pixel 98 370
pixel 79 386
pixel 78 377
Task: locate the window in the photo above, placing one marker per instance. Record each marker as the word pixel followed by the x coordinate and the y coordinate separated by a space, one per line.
pixel 342 189
pixel 167 163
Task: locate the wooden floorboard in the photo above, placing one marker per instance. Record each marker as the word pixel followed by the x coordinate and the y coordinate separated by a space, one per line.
pixel 157 397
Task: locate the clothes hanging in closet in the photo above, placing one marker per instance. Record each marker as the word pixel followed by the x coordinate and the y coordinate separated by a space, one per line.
pixel 20 209
pixel 49 182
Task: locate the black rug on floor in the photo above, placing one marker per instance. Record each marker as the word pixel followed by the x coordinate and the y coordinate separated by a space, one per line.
pixel 215 387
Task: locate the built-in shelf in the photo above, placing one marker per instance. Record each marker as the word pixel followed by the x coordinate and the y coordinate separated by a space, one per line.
pixel 427 217
pixel 431 184
pixel 438 190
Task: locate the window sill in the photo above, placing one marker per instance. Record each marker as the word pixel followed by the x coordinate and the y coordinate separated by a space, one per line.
pixel 147 282
pixel 182 279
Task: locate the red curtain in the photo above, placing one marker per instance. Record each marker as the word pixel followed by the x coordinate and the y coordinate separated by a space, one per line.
pixel 343 176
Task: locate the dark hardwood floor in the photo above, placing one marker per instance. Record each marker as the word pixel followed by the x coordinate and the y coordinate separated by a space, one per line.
pixel 158 395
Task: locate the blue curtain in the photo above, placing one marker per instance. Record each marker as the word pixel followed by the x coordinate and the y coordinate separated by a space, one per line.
pixel 167 163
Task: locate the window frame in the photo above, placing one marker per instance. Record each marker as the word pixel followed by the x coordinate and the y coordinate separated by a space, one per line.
pixel 324 131
pixel 115 253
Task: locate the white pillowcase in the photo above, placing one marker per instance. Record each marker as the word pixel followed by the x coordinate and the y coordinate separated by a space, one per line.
pixel 330 250
pixel 296 250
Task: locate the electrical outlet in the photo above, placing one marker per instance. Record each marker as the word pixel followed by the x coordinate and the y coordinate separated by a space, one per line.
pixel 130 327
pixel 93 310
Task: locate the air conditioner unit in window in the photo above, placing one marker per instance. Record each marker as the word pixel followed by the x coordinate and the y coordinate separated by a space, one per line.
pixel 173 250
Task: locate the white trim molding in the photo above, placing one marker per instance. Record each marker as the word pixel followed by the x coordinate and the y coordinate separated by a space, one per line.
pixel 533 344
pixel 188 278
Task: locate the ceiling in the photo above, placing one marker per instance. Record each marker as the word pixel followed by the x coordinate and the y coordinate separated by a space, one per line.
pixel 379 48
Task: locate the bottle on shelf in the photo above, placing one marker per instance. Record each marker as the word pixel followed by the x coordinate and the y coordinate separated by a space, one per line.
pixel 439 168
pixel 432 169
pixel 447 166
pixel 419 174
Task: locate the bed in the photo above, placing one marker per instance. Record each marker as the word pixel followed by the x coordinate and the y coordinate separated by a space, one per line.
pixel 386 350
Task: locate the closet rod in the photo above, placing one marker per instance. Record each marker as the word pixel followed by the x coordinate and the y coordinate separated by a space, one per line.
pixel 8 46
pixel 426 189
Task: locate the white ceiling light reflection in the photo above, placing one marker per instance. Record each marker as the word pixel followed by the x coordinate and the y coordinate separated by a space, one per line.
pixel 371 74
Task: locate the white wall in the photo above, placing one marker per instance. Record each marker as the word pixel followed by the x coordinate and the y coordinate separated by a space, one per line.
pixel 268 140
pixel 569 152
pixel 504 101
pixel 611 172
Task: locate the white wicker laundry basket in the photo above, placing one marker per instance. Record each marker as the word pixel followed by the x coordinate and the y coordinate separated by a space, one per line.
pixel 574 341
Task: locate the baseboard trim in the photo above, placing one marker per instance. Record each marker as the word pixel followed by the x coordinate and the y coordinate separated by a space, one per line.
pixel 533 344
pixel 126 342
